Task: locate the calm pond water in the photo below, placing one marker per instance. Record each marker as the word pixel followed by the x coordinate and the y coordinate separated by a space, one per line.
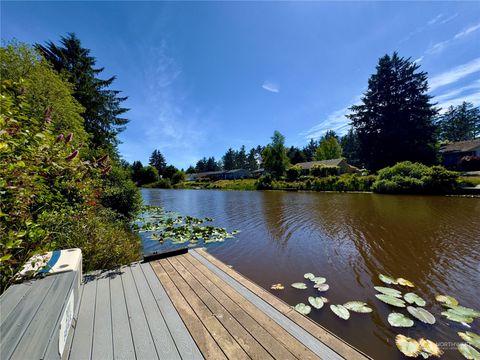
pixel 349 239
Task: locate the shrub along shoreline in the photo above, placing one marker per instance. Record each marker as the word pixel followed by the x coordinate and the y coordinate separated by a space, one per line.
pixel 403 178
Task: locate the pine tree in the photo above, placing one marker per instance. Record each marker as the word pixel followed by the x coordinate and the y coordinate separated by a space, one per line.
pixel 394 121
pixel 241 158
pixel 350 147
pixel 295 155
pixel 310 149
pixel 460 123
pixel 252 163
pixel 229 158
pixel 157 160
pixel 102 105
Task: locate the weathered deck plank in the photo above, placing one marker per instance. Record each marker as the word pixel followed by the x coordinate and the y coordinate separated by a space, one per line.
pixel 203 338
pixel 226 342
pixel 282 337
pixel 160 333
pixel 186 346
pixel 102 347
pixel 248 343
pixel 281 312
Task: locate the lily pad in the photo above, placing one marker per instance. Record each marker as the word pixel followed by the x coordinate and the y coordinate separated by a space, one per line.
pixel 399 320
pixel 316 302
pixel 319 280
pixel 322 287
pixel 303 309
pixel 430 347
pixel 388 291
pixel 421 314
pixel 299 285
pixel 414 298
pixel 453 316
pixel 470 337
pixel 405 282
pixel 340 311
pixel 468 352
pixel 277 287
pixel 358 306
pixel 391 300
pixel 309 276
pixel 387 279
pixel 464 311
pixel 447 300
pixel 408 346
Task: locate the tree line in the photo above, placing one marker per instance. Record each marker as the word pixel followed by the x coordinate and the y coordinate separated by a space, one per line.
pixel 395 121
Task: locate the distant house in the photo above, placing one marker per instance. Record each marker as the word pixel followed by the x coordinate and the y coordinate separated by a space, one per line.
pixel 343 166
pixel 257 173
pixel 453 153
pixel 220 175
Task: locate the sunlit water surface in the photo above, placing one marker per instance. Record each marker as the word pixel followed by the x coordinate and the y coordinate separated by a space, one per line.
pixel 349 239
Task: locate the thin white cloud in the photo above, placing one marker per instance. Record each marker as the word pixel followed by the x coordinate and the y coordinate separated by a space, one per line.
pixel 473 98
pixel 448 19
pixel 336 121
pixel 435 19
pixel 440 46
pixel 467 31
pixel 271 86
pixel 455 74
pixel 417 61
pixel 454 93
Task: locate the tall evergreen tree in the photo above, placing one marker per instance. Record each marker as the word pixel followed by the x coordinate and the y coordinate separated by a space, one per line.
pixel 241 158
pixel 460 123
pixel 103 109
pixel 275 160
pixel 252 163
pixel 295 155
pixel 229 159
pixel 394 121
pixel 157 160
pixel 350 147
pixel 201 165
pixel 310 149
pixel 212 165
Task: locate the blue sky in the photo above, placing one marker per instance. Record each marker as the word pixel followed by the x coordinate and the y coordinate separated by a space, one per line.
pixel 203 77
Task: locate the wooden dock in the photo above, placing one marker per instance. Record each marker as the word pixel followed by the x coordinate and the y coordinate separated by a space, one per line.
pixel 192 306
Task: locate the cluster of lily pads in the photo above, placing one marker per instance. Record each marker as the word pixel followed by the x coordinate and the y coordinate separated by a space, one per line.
pixel 426 348
pixel 342 311
pixel 168 225
pixel 414 305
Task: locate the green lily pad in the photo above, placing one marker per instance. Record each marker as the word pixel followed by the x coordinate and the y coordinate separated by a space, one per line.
pixel 453 316
pixel 340 311
pixel 391 300
pixel 321 287
pixel 399 320
pixel 408 346
pixel 464 311
pixel 468 352
pixel 414 298
pixel 421 314
pixel 357 306
pixel 387 279
pixel 316 302
pixel 446 300
pixel 388 291
pixel 303 309
pixel 319 280
pixel 299 285
pixel 309 276
pixel 470 337
pixel 405 282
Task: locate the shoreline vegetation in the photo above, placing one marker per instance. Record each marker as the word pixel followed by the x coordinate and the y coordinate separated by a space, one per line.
pixel 403 178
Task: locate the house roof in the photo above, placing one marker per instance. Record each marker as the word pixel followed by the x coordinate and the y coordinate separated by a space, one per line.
pixel 310 164
pixel 461 146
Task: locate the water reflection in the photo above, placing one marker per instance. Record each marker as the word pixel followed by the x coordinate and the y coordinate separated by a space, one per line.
pixel 348 238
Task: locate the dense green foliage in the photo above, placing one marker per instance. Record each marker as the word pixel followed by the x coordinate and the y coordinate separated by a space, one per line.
pixel 275 160
pixel 415 178
pixel 459 123
pixel 394 121
pixel 329 147
pixel 53 193
pixel 102 105
pixel 351 148
pixel 324 170
pixel 293 173
pixel 157 160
